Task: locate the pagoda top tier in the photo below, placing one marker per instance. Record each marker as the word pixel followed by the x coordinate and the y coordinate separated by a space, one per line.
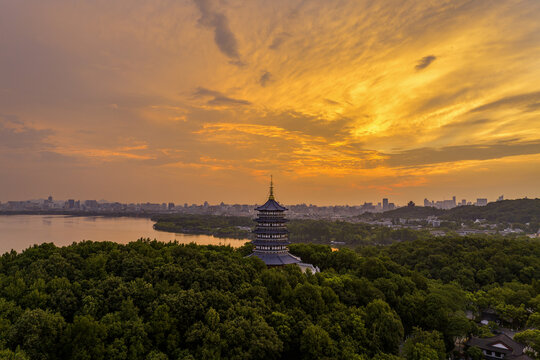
pixel 271 204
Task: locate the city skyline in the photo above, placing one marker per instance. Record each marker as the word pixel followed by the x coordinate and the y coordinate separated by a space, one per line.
pixel 382 204
pixel 201 100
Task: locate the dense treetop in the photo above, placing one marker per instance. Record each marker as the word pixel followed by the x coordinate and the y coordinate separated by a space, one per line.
pixel 153 300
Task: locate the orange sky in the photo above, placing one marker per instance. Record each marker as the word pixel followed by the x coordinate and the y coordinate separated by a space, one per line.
pixel 342 101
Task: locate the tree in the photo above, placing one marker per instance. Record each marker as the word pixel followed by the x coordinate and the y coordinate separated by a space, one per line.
pixel 384 327
pixel 475 353
pixel 424 345
pixel 530 338
pixel 421 351
pixel 86 338
pixel 315 343
pixel 13 355
pixel 39 333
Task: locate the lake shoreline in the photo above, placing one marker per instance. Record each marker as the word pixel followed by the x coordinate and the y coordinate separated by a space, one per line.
pixel 19 232
pixel 80 213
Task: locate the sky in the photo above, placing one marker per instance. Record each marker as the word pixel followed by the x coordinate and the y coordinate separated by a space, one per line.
pixel 202 100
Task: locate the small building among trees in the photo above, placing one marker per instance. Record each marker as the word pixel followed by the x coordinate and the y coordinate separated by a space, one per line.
pixel 497 348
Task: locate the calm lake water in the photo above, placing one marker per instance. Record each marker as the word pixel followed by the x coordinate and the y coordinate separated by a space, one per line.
pixel 19 232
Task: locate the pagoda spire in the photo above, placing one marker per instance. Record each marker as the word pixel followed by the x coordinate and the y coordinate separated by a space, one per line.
pixel 271 197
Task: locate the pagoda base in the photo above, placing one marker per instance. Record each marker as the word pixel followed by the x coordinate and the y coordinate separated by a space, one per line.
pixel 276 258
pixel 272 259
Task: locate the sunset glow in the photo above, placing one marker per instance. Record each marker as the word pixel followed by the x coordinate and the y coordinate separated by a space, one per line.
pixel 342 101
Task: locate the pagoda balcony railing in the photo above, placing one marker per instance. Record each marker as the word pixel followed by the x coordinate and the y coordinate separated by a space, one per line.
pixel 274 236
pixel 271 248
pixel 271 213
pixel 270 230
pixel 271 219
pixel 277 242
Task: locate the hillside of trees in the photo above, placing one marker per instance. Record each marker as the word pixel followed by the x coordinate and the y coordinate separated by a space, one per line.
pixel 520 211
pixel 157 301
pixel 352 234
pixel 507 211
pixel 216 225
pixel 312 231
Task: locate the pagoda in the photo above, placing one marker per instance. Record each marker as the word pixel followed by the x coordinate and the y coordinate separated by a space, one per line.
pixel 271 237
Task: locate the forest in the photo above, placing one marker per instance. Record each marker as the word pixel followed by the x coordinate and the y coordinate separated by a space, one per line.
pixel 520 211
pixel 216 225
pixel 301 230
pixel 157 301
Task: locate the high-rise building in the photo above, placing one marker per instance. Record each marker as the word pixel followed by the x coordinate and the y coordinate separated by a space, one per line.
pixel 385 204
pixel 91 204
pixel 272 237
pixel 481 202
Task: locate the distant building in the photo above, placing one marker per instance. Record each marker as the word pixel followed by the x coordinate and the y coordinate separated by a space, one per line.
pixel 91 204
pixel 481 202
pixel 70 204
pixel 441 204
pixel 499 347
pixel 171 206
pixel 368 206
pixel 500 198
pixel 385 204
pixel 272 237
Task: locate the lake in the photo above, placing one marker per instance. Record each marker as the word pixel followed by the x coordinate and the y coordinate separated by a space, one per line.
pixel 19 232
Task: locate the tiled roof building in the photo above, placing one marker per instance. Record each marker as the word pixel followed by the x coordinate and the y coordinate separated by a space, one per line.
pixel 499 347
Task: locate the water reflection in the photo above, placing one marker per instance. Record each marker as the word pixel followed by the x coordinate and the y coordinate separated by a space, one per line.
pixel 19 232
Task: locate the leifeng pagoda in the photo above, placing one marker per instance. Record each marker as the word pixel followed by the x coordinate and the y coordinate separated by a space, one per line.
pixel 271 237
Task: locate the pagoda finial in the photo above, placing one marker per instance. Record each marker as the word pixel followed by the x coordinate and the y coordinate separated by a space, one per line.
pixel 271 197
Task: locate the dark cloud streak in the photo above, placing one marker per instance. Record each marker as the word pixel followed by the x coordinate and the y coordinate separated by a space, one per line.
pixel 532 100
pixel 430 156
pixel 279 40
pixel 218 98
pixel 223 36
pixel 266 77
pixel 425 62
pixel 23 137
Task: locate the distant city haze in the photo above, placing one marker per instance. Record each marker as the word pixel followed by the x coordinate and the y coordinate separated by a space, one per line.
pixel 344 102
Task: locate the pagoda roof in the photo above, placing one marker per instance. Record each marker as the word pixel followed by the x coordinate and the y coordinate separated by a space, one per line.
pixel 271 205
pixel 269 231
pixel 276 259
pixel 270 242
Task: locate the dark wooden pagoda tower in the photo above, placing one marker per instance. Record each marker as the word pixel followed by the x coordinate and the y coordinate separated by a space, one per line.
pixel 271 237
